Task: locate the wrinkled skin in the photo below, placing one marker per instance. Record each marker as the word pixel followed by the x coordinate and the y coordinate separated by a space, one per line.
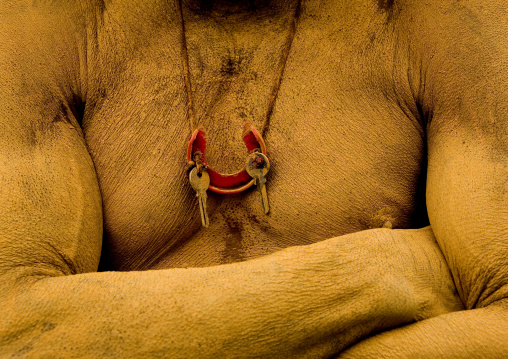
pixel 387 111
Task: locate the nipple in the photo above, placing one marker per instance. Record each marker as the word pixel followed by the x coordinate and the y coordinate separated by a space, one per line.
pixel 388 224
pixel 384 218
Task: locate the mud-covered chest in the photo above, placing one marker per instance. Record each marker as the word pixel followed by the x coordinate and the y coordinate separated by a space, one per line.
pixel 332 172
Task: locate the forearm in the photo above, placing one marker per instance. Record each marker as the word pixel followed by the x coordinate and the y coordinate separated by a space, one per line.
pixel 304 301
pixel 478 333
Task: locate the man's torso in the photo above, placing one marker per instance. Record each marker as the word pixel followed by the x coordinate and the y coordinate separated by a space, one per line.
pixel 346 146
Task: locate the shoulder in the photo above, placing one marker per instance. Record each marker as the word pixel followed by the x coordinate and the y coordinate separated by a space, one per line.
pixel 438 25
pixel 455 27
pixel 40 29
pixel 41 62
pixel 457 53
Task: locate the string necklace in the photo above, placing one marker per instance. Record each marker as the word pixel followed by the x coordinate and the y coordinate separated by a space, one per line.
pixel 201 176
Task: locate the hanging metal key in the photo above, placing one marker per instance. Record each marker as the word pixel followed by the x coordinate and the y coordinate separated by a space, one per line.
pixel 257 166
pixel 200 182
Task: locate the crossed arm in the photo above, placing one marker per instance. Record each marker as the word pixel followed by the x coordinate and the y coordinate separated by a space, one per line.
pixel 468 208
pixel 466 67
pixel 309 301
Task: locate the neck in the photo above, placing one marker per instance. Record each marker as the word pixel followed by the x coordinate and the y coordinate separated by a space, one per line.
pixel 229 7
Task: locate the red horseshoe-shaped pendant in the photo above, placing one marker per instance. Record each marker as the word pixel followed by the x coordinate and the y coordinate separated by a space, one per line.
pixel 227 183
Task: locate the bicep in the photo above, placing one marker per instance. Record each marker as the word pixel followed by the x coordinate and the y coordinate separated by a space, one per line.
pixel 467 188
pixel 51 221
pixel 468 208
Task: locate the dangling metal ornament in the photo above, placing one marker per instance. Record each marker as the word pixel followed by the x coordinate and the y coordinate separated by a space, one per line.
pixel 201 174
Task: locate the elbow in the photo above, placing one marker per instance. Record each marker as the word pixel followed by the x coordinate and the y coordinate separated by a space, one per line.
pixel 490 287
pixel 493 297
pixel 22 323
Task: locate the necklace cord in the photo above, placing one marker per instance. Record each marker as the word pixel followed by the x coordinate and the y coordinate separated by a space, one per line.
pixel 282 68
pixel 186 73
pixel 275 87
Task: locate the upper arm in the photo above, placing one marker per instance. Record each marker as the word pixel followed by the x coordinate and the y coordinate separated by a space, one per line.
pixel 50 217
pixel 466 93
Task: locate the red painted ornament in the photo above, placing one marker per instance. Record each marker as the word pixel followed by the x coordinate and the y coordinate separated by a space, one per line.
pixel 227 183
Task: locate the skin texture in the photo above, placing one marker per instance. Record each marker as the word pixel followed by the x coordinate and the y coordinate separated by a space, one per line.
pixel 387 110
